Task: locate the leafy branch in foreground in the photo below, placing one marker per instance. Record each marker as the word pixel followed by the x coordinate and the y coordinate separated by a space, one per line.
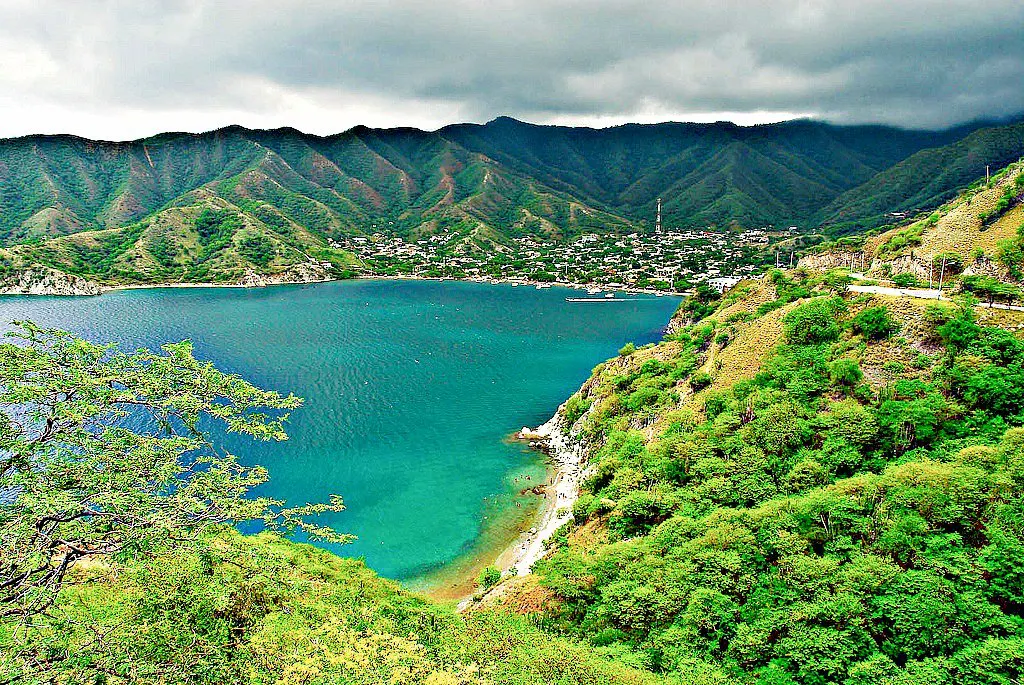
pixel 102 452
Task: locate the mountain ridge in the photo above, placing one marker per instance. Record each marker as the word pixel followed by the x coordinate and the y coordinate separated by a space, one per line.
pixel 484 184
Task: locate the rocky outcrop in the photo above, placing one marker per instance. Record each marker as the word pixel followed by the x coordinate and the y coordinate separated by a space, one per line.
pixel 833 260
pixel 42 280
pixel 305 272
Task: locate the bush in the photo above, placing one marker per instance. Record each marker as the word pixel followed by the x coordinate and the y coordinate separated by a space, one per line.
pixel 905 280
pixel 627 349
pixel 700 380
pixel 814 322
pixel 875 323
pixel 845 372
pixel 489 577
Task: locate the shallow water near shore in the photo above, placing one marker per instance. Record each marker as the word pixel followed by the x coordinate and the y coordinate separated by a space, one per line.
pixel 411 389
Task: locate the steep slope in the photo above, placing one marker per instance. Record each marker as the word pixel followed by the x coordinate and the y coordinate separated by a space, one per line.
pixel 261 610
pixel 925 179
pixel 980 232
pixel 485 182
pixel 364 180
pixel 800 488
pixel 799 165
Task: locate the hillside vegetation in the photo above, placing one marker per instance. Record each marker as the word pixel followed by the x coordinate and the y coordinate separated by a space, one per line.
pixel 801 487
pixel 262 610
pixel 925 180
pixel 510 177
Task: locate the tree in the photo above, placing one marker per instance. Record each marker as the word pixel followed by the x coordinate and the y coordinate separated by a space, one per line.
pixel 103 452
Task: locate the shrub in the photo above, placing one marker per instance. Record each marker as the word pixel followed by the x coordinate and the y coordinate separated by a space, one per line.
pixel 700 380
pixel 875 323
pixel 489 577
pixel 814 322
pixel 845 372
pixel 905 280
pixel 627 349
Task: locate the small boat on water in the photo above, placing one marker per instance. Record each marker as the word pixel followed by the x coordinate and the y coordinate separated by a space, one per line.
pixel 542 286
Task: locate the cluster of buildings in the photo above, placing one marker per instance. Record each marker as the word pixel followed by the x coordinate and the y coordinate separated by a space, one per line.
pixel 669 260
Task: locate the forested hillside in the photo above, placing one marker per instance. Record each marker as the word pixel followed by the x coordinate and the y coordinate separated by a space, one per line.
pixel 925 179
pixel 499 179
pixel 800 486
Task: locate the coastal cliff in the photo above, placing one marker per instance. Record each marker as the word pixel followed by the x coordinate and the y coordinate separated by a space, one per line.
pixel 41 280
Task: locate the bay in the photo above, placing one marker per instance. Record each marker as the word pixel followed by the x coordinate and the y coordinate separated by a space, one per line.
pixel 411 391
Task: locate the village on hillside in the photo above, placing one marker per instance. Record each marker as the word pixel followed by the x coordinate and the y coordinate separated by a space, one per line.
pixel 670 260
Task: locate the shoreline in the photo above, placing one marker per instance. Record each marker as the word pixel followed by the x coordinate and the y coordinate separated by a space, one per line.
pixel 514 282
pixel 565 457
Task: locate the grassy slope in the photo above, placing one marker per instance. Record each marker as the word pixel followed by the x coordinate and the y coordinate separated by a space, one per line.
pixel 796 521
pixel 957 227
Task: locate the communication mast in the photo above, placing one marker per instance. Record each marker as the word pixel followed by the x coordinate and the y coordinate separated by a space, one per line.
pixel 657 221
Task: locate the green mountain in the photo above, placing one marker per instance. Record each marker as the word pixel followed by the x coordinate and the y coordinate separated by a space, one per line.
pixel 802 488
pixel 926 179
pixel 140 211
pixel 402 179
pixel 706 173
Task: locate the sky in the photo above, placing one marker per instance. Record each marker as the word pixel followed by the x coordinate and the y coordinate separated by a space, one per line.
pixel 122 69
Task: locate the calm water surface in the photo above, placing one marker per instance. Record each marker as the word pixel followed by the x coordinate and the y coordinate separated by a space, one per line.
pixel 411 389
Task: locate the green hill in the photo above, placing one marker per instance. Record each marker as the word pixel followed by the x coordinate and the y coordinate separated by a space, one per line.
pixel 801 488
pixel 127 212
pixel 925 180
pixel 706 173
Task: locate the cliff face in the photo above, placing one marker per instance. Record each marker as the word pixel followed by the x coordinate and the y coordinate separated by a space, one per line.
pixel 41 280
pixel 308 272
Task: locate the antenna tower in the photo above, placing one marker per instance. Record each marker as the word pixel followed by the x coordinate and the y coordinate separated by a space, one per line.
pixel 657 221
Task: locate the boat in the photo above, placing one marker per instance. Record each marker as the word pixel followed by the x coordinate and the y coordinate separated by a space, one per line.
pixel 609 295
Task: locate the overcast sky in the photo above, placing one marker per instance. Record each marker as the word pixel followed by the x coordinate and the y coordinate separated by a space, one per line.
pixel 121 69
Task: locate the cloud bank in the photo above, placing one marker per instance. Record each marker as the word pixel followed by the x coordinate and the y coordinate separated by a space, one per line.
pixel 125 68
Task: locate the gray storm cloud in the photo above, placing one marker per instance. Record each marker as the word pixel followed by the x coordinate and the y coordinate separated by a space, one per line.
pixel 327 65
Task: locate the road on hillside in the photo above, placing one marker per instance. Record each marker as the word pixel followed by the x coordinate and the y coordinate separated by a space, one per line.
pixel 922 294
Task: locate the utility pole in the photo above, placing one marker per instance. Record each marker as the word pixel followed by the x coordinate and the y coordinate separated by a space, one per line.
pixel 986 175
pixel 942 272
pixel 931 271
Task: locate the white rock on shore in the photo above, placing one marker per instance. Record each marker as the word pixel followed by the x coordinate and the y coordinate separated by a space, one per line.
pixel 304 272
pixel 567 454
pixel 42 280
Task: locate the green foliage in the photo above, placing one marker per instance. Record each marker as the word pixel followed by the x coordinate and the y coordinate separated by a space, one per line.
pixel 990 288
pixel 1010 253
pixel 627 349
pixel 256 249
pixel 875 323
pixel 809 528
pixel 905 280
pixel 814 322
pixel 78 482
pixel 489 577
pixel 263 611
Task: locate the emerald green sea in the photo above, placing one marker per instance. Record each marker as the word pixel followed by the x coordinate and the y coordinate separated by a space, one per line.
pixel 411 390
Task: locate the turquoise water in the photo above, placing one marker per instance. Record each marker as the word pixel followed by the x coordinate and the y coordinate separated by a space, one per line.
pixel 411 389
